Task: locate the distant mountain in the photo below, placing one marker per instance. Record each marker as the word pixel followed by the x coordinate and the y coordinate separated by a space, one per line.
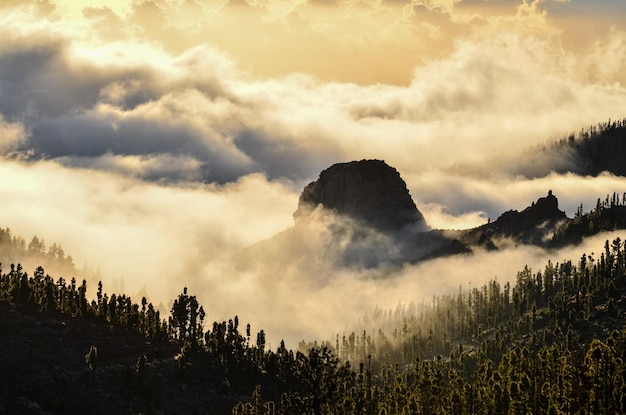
pixel 589 152
pixel 608 215
pixel 370 219
pixel 599 149
pixel 369 191
pixel 53 258
pixel 358 213
pixel 533 225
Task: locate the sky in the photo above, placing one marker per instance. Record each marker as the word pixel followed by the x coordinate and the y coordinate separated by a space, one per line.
pixel 157 140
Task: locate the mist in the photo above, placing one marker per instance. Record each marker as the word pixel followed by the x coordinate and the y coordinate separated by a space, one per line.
pixel 154 144
pixel 234 246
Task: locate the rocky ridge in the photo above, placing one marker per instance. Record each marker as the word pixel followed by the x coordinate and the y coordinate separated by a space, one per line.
pixel 533 225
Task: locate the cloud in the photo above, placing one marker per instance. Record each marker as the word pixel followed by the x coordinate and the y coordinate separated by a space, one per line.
pixel 158 146
pixel 153 235
pixel 302 296
pixel 439 217
pixel 106 23
pixel 499 90
pixel 162 168
pixel 466 197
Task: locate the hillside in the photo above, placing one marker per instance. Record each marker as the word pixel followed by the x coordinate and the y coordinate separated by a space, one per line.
pixel 43 357
pixel 14 249
pixel 138 365
pixel 551 342
pixel 533 225
pixel 587 152
pixel 600 148
pixel 607 215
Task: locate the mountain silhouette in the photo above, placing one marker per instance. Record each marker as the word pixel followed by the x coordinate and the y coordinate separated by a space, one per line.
pixel 533 225
pixel 360 214
pixel 374 220
pixel 369 191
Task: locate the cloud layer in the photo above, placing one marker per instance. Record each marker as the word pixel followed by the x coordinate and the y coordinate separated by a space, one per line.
pixel 191 114
pixel 156 140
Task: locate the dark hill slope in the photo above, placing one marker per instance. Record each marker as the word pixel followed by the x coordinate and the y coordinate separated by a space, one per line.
pixel 559 333
pixel 43 369
pixel 533 225
pixel 602 149
pixel 604 218
pixel 592 151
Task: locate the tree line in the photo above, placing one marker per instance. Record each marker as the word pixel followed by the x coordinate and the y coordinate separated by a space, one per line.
pixel 553 341
pixel 14 249
pixel 608 214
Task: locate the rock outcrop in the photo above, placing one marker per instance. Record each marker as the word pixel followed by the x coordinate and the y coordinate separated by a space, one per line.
pixel 533 225
pixel 360 214
pixel 369 191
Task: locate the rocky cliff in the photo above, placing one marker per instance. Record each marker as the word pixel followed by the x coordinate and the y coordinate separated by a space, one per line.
pixel 533 225
pixel 369 191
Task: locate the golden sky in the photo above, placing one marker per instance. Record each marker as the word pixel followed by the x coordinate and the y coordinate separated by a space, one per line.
pixel 345 40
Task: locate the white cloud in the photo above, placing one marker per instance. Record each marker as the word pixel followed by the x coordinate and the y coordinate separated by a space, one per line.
pixel 155 236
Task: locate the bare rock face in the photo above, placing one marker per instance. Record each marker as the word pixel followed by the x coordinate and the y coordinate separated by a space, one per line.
pixel 369 191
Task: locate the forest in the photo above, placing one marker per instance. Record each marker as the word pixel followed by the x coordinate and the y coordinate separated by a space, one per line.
pixel 551 342
pixel 547 341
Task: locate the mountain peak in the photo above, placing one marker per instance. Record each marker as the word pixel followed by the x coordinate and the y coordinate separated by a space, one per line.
pixel 369 191
pixel 532 225
pixel 544 209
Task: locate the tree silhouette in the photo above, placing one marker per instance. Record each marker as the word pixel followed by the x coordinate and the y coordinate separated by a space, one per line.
pixel 91 358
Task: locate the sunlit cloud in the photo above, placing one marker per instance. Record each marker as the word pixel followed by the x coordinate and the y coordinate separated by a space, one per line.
pixel 12 135
pixel 148 233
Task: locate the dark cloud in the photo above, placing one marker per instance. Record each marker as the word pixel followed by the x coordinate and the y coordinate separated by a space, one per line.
pixel 92 135
pixel 77 108
pixel 73 108
pixel 39 78
pixel 285 158
pixel 35 81
pixel 612 10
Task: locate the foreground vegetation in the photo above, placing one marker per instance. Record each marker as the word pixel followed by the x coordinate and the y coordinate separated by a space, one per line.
pixel 552 342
